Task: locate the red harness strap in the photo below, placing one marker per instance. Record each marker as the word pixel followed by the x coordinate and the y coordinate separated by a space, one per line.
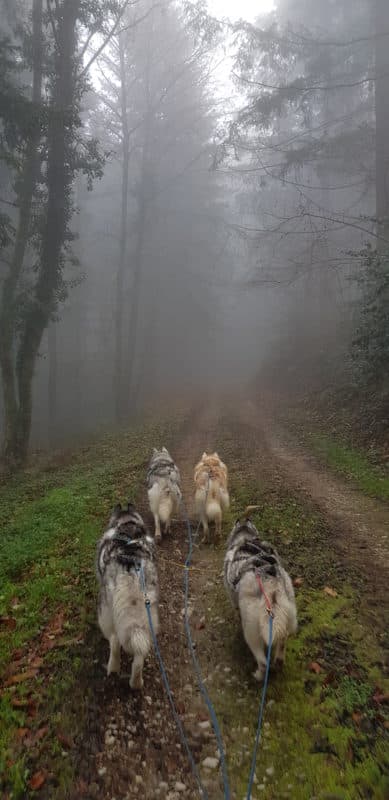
pixel 267 601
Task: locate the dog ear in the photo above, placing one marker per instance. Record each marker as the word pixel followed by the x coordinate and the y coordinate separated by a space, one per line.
pixel 130 506
pixel 164 450
pixel 115 514
pixel 204 455
pixel 155 451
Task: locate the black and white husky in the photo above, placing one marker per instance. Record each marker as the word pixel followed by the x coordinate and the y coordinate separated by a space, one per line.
pixel 125 569
pixel 248 557
pixel 163 488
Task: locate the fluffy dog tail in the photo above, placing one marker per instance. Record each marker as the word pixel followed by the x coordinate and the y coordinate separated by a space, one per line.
pixel 137 641
pixel 213 502
pixel 284 614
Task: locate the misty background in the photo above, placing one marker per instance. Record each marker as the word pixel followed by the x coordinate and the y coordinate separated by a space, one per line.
pixel 189 201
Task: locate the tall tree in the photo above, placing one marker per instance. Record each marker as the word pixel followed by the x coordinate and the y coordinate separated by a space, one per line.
pixel 25 189
pixel 382 121
pixel 51 152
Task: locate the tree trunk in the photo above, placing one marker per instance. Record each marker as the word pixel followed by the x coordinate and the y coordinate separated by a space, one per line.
pixel 144 385
pixel 135 290
pixel 119 302
pixel 52 382
pixel 382 124
pixel 8 307
pixel 59 178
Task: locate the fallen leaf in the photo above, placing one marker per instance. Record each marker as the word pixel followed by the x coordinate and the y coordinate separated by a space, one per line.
pixel 381 697
pixel 356 717
pixel 14 667
pixel 19 702
pixel 314 667
pixel 65 741
pixel 36 736
pixel 32 709
pixel 330 592
pixel 298 582
pixel 8 623
pixel 15 602
pixel 82 787
pixel 21 732
pixel 37 662
pixel 40 733
pixel 37 780
pixel 329 678
pixel 21 676
pixel 199 626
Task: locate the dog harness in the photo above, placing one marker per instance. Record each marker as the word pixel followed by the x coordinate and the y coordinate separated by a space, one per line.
pixel 162 469
pixel 258 557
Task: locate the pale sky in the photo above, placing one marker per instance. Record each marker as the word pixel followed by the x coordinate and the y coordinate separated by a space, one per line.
pixel 235 9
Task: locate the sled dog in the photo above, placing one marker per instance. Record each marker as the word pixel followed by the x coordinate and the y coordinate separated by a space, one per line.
pixel 125 570
pixel 247 559
pixel 163 488
pixel 211 493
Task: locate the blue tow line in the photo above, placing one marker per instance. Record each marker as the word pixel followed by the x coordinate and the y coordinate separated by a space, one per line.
pixel 202 790
pixel 261 710
pixel 202 687
pixel 201 684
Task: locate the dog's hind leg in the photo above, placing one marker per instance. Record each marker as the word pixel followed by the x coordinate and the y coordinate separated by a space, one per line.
pixel 204 523
pixel 114 655
pixel 279 653
pixel 136 680
pixel 157 521
pixel 254 640
pixel 259 655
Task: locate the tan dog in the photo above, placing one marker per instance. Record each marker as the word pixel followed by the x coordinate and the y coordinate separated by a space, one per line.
pixel 211 496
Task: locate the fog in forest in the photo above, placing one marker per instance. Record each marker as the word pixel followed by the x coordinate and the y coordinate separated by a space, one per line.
pixel 190 202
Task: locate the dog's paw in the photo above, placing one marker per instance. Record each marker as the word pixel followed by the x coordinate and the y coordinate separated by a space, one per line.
pixel 259 675
pixel 137 683
pixel 158 537
pixel 113 666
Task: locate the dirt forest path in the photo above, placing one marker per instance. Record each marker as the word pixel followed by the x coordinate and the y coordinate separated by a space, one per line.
pixel 132 748
pixel 362 523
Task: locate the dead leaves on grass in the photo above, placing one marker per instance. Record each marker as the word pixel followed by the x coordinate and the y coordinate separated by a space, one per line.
pixel 315 667
pixel 7 623
pixel 380 697
pixel 20 677
pixel 330 592
pixel 37 780
pixel 26 664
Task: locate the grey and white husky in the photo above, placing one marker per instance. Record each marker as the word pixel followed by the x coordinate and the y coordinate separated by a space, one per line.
pixel 246 558
pixel 163 489
pixel 125 568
